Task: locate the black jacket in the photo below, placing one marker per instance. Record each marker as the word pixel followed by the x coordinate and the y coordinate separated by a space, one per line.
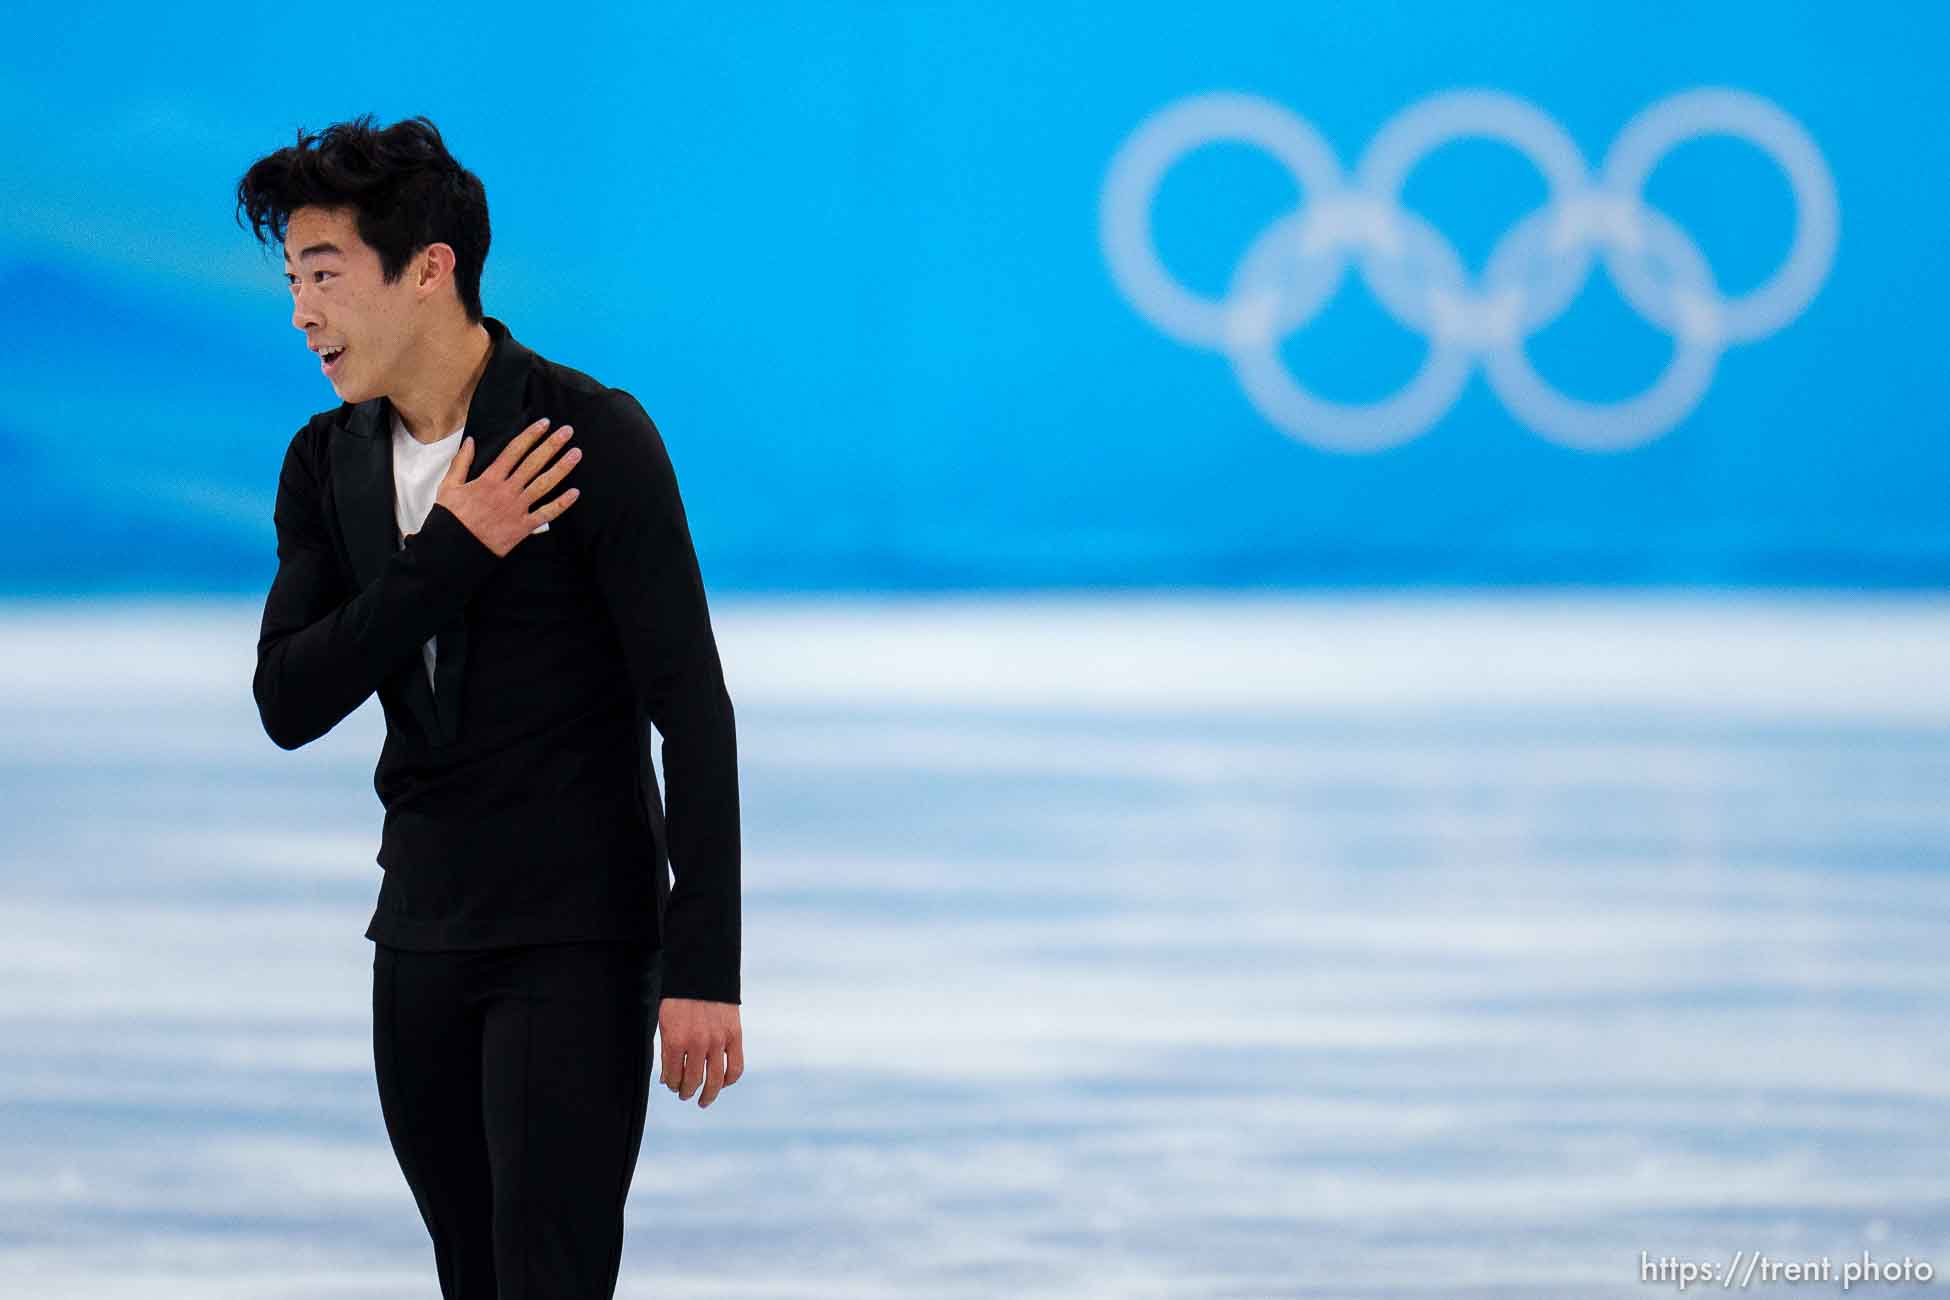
pixel 521 803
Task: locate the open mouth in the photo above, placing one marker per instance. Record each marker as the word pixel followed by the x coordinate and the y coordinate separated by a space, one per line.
pixel 328 359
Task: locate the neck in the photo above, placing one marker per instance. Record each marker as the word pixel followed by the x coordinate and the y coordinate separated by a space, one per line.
pixel 443 372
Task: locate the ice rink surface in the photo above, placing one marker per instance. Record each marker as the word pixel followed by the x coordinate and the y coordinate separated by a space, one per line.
pixel 1180 946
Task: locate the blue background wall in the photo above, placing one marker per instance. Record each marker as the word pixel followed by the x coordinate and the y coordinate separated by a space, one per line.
pixel 848 257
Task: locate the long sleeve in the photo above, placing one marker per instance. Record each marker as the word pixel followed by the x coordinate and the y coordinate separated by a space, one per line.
pixel 323 649
pixel 639 549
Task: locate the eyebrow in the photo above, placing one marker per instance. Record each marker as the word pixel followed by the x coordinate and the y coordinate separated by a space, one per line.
pixel 315 248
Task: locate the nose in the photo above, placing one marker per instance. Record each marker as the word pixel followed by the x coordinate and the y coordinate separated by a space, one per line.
pixel 302 315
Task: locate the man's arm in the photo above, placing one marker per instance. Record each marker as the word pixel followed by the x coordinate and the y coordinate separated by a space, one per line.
pixel 323 649
pixel 639 549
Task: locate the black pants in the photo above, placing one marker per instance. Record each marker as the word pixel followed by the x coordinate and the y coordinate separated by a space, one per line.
pixel 514 1083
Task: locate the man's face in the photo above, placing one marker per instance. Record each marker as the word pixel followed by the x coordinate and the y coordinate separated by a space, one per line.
pixel 339 300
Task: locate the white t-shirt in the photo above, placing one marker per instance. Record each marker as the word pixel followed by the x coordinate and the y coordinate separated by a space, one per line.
pixel 418 468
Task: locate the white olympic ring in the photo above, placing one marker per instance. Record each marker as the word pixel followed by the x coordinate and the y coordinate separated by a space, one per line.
pixel 1290 270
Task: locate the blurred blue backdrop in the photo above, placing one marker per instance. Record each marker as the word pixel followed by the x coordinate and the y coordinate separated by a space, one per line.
pixel 1214 942
pixel 850 258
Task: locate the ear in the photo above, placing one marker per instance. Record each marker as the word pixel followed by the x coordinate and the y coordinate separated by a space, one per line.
pixel 435 264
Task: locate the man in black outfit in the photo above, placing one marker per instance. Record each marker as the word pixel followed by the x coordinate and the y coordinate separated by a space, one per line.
pixel 527 939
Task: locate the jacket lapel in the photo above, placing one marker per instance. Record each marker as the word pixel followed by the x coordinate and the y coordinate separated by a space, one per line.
pixel 362 490
pixel 499 408
pixel 362 477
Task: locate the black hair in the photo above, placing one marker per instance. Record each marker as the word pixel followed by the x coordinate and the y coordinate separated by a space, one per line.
pixel 405 187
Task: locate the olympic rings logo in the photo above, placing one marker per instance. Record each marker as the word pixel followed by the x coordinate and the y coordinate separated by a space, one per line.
pixel 1290 270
